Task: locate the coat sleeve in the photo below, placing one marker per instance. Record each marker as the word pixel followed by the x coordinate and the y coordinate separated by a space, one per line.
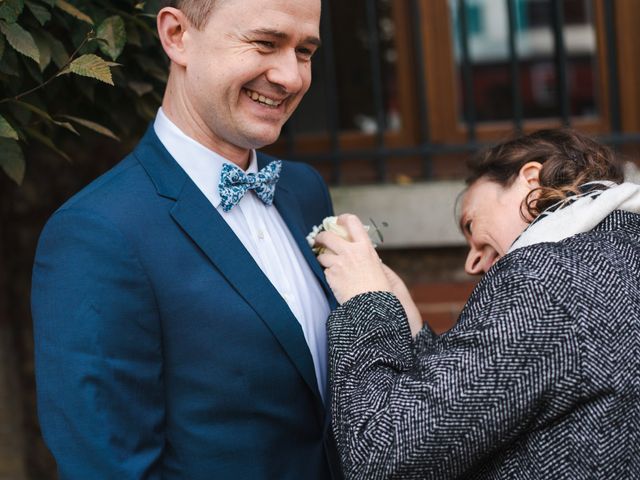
pixel 436 408
pixel 98 352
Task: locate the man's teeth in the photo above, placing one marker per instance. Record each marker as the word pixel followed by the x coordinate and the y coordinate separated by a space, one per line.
pixel 256 97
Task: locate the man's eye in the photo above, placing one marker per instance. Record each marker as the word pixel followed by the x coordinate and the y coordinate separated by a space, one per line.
pixel 306 53
pixel 265 44
pixel 467 227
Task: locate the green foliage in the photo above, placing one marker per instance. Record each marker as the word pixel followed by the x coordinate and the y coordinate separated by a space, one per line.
pixel 91 66
pixel 114 34
pixel 59 77
pixel 12 160
pixel 20 39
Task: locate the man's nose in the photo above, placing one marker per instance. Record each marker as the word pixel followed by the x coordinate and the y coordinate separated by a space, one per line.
pixel 475 264
pixel 286 72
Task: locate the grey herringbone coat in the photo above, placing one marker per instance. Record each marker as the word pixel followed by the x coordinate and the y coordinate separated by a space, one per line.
pixel 538 380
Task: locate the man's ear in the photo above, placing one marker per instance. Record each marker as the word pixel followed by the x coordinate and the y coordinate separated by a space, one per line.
pixel 172 25
pixel 530 174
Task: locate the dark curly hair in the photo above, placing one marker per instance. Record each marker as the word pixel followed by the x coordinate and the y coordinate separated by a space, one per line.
pixel 569 159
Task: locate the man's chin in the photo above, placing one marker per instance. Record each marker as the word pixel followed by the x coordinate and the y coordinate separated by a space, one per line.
pixel 264 139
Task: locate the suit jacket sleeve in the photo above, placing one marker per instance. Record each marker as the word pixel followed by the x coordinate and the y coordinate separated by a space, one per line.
pixel 435 408
pixel 98 351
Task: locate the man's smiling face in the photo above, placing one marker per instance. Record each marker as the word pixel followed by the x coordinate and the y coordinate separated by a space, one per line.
pixel 249 67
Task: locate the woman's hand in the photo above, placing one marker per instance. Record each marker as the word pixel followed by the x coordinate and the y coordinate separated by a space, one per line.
pixel 351 267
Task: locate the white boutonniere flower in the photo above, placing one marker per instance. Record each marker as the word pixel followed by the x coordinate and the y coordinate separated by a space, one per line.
pixel 330 224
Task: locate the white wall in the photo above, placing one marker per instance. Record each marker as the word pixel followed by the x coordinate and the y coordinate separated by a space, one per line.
pixel 419 214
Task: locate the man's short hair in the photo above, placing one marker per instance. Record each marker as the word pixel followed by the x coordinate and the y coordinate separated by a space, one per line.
pixel 197 11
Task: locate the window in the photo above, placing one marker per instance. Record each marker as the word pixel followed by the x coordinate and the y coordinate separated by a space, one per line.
pixel 404 89
pixel 361 52
pixel 534 57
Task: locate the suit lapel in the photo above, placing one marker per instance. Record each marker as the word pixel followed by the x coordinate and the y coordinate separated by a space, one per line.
pixel 204 225
pixel 289 209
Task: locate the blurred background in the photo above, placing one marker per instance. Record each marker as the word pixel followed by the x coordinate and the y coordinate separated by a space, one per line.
pixel 404 91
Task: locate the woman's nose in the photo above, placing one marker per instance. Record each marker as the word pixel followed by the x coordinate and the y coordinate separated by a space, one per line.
pixel 478 261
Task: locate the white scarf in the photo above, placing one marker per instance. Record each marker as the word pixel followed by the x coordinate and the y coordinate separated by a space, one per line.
pixel 580 213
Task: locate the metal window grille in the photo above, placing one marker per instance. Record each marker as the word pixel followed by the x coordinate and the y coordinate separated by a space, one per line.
pixel 425 148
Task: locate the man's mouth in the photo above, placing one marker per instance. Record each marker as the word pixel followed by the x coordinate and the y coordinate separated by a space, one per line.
pixel 261 99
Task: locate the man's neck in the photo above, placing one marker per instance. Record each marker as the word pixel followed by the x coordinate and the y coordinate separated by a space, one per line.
pixel 176 110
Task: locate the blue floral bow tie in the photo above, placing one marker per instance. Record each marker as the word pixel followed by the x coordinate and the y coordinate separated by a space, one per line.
pixel 234 183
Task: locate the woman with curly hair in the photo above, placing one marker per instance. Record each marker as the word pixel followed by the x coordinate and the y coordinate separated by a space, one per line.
pixel 540 377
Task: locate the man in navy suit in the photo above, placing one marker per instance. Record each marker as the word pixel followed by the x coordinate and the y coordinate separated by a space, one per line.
pixel 179 314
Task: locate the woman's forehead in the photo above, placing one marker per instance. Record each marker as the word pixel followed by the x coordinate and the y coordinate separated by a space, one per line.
pixel 481 196
pixel 477 190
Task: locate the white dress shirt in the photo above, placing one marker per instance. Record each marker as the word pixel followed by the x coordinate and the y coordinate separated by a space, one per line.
pixel 263 233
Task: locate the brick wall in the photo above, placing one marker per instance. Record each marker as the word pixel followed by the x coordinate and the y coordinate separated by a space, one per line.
pixel 441 302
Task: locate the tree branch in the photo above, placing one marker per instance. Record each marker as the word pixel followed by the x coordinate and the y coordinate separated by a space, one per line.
pixel 89 37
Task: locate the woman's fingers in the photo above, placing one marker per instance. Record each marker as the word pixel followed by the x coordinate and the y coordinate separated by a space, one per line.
pixel 354 227
pixel 327 259
pixel 331 241
pixel 351 266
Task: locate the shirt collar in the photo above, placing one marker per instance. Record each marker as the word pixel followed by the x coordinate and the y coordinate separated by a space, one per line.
pixel 201 164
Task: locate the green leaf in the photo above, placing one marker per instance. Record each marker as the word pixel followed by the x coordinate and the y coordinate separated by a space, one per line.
pixel 92 126
pixel 92 66
pixel 45 116
pixel 20 40
pixel 2 45
pixel 6 130
pixel 73 11
pixel 33 69
pixel 66 126
pixel 44 47
pixel 59 54
pixel 10 10
pixel 47 142
pixel 112 30
pixel 12 160
pixel 33 109
pixel 42 14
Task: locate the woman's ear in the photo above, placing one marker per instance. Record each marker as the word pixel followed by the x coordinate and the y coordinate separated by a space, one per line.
pixel 530 174
pixel 172 26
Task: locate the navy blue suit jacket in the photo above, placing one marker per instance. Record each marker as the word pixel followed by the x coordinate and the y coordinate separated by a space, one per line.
pixel 162 350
